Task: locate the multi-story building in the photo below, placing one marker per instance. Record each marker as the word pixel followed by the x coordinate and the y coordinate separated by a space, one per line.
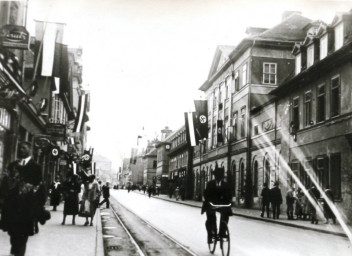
pixel 162 169
pixel 34 107
pixel 315 112
pixel 240 80
pixel 150 165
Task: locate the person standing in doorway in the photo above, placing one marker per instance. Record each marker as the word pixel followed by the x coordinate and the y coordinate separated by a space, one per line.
pixel 22 192
pixel 276 200
pixel 265 194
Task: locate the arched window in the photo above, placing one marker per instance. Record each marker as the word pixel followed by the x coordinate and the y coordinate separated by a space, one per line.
pixel 266 174
pixel 255 178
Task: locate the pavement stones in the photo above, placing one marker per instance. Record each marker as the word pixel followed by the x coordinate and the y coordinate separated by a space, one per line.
pixel 55 239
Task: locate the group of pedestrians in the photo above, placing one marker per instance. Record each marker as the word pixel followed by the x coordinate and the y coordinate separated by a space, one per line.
pixel 83 204
pixel 303 205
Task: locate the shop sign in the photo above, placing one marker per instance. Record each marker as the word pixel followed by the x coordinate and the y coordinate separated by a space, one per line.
pixel 14 36
pixel 56 131
pixel 41 141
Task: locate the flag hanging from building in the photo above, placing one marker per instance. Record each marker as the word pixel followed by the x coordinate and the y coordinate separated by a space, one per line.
pixel 202 118
pixel 49 39
pixel 82 108
pixel 219 130
pixel 190 118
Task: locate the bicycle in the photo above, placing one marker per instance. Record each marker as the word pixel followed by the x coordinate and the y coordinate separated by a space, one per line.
pixel 224 239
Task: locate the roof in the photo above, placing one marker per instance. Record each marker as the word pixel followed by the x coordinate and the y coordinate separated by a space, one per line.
pixel 290 29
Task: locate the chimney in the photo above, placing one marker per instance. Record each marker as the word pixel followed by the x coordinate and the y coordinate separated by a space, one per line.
pixel 287 14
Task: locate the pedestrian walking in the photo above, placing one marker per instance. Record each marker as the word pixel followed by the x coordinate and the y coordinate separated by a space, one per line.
pixel 290 200
pixel 182 192
pixel 150 190
pixel 22 192
pixel 106 194
pixel 177 193
pixel 144 188
pixel 55 193
pixel 328 213
pixel 71 190
pixel 312 205
pixel 90 199
pixel 265 196
pixel 276 200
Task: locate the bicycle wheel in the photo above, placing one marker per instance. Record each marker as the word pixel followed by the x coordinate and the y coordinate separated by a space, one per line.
pixel 225 242
pixel 212 246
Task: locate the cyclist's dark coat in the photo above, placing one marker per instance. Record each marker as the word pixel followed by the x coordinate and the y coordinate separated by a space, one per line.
pixel 217 195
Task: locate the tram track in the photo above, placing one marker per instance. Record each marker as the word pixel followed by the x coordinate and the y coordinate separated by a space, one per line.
pixel 127 233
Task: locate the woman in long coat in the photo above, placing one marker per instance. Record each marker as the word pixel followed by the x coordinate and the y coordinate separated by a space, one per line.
pixel 90 199
pixel 71 190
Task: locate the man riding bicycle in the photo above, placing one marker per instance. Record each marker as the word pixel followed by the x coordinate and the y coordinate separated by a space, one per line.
pixel 217 192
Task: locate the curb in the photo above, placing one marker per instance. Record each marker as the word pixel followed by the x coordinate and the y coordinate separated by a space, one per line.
pixel 99 249
pixel 265 219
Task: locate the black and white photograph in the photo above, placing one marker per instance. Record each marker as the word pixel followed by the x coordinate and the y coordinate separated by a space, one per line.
pixel 175 127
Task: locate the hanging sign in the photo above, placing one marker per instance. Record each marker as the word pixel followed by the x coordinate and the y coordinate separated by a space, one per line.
pixel 56 131
pixel 14 36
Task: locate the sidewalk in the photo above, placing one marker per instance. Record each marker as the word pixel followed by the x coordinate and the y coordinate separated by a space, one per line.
pixel 255 214
pixel 55 239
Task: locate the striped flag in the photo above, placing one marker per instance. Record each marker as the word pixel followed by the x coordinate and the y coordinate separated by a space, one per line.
pixel 49 39
pixel 82 107
pixel 190 118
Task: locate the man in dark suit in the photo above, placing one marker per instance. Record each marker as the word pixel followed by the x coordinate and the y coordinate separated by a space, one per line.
pixel 106 194
pixel 22 195
pixel 217 192
pixel 276 200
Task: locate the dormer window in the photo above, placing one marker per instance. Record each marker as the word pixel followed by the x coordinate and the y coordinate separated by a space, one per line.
pixel 269 73
pixel 338 36
pixel 310 56
pixel 298 64
pixel 324 46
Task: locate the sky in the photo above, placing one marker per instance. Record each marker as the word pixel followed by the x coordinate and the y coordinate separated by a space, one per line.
pixel 144 60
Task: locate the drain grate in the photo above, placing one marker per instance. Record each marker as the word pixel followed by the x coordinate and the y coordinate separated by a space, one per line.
pixel 113 247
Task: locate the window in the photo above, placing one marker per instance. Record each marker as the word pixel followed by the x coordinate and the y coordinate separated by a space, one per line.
pixel 243 120
pixel 310 56
pixel 335 96
pixel 295 113
pixel 322 170
pixel 237 81
pixel 308 108
pixel 228 87
pixel 234 124
pixel 323 47
pixel 298 64
pixel 255 130
pixel 321 103
pixel 214 135
pixel 244 75
pixel 338 36
pixel 269 73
